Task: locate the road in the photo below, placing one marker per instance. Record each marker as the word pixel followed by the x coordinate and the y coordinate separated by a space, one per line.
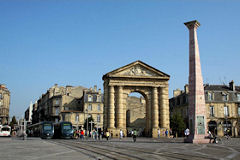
pixel 144 148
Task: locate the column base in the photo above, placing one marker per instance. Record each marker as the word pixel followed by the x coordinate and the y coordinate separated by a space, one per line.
pixel 114 132
pixel 196 139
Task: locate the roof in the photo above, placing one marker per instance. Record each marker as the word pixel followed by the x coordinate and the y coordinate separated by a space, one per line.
pixel 220 88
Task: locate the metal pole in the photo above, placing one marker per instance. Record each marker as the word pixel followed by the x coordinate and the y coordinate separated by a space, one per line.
pixel 91 129
pixel 87 122
pixel 24 130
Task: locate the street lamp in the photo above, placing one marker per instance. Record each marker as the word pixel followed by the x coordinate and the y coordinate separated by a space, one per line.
pixel 87 122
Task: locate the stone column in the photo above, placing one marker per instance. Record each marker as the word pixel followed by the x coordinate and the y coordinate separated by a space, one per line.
pixel 105 111
pixel 155 121
pixel 164 108
pixel 120 108
pixel 197 109
pixel 111 111
pixel 155 108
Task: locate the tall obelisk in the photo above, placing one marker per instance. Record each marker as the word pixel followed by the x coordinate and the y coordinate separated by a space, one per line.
pixel 197 109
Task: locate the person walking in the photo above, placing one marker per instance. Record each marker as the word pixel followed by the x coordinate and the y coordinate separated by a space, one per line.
pixel 186 132
pixel 210 136
pixel 121 134
pixel 107 135
pixel 166 133
pixel 134 135
pixel 81 135
pixel 159 132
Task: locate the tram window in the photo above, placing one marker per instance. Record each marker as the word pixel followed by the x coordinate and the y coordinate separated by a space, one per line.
pixel 47 127
pixel 66 126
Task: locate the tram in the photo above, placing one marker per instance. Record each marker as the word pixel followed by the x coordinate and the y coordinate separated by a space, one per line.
pixel 45 130
pixel 63 130
pixel 5 131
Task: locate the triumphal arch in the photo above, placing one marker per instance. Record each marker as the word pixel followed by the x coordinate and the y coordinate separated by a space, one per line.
pixel 139 77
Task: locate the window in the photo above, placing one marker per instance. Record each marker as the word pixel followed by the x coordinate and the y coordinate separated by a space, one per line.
pixel 99 107
pixel 226 111
pixel 0 96
pixel 225 97
pixel 57 111
pixel 98 99
pixel 89 107
pixel 210 96
pixel 90 99
pixel 63 117
pixel 211 111
pixel 238 97
pixel 76 118
pixel 0 104
pixel 98 118
pixel 239 110
pixel 57 101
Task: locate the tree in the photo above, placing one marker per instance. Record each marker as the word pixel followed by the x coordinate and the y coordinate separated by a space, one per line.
pixel 177 124
pixel 13 122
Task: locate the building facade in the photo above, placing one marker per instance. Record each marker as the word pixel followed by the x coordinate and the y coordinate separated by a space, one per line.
pixel 222 106
pixel 69 104
pixel 28 113
pixel 93 105
pixel 4 104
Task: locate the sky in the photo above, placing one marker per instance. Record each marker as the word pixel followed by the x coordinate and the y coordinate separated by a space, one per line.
pixel 76 42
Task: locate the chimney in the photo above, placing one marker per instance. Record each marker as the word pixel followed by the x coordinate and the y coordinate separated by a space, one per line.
pixel 232 85
pixel 186 89
pixel 2 86
pixel 95 88
pixel 99 91
pixel 176 92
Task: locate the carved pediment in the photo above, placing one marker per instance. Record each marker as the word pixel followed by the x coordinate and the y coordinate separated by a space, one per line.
pixel 136 69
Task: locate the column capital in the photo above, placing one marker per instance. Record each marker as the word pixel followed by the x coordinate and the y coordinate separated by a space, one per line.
pixel 192 24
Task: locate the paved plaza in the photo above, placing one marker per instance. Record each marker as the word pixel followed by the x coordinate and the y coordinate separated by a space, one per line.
pixel 144 148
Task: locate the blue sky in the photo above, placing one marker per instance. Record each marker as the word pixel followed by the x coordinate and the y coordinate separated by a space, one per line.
pixel 76 42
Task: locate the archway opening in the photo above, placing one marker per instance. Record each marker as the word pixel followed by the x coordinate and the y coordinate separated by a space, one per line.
pixel 136 113
pixel 212 127
pixel 227 127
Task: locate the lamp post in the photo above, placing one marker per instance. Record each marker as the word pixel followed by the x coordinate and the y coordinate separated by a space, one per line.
pixel 87 122
pixel 77 120
pixel 91 128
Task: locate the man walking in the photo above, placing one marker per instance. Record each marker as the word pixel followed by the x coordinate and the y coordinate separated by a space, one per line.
pixel 134 135
pixel 121 134
pixel 159 133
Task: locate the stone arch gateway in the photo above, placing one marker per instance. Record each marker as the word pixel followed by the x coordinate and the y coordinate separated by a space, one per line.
pixel 142 78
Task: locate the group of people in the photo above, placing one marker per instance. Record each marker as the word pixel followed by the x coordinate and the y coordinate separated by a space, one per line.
pixel 165 133
pixel 79 133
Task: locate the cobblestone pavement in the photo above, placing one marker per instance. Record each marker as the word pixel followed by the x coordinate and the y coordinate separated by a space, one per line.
pixel 144 148
pixel 164 148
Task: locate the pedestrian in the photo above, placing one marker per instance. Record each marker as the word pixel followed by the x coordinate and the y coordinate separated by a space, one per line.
pixel 96 134
pixel 186 132
pixel 159 132
pixel 210 136
pixel 170 133
pixel 134 135
pixel 101 137
pixel 81 135
pixel 121 134
pixel 166 133
pixel 107 135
